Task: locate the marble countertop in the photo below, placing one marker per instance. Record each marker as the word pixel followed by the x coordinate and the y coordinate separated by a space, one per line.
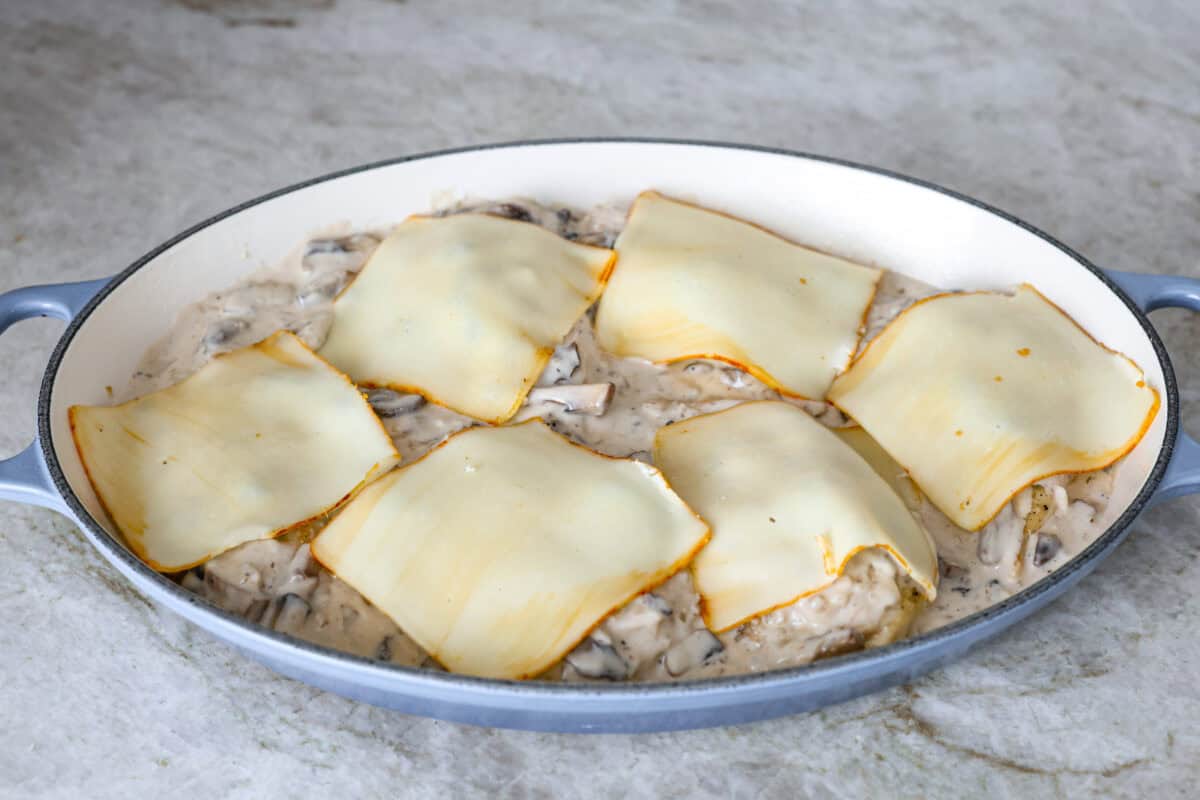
pixel 122 123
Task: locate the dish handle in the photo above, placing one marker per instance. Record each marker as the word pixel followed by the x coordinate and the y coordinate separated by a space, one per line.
pixel 24 477
pixel 1149 293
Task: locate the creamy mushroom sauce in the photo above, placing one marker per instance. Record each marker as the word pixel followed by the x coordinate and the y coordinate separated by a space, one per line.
pixel 660 634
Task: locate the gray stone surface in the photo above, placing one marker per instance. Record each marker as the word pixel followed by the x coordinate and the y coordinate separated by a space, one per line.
pixel 123 122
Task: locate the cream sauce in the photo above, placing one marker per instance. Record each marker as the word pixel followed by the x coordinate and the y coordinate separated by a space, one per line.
pixel 660 635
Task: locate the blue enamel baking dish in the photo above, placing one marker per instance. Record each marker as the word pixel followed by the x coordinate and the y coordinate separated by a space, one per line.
pixel 863 213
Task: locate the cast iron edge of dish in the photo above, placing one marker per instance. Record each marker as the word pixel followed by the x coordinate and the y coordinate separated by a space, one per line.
pixel 416 675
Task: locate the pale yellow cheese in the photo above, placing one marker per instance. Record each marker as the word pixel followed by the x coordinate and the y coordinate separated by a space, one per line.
pixel 500 550
pixel 693 283
pixel 464 309
pixel 789 504
pixel 980 394
pixel 256 441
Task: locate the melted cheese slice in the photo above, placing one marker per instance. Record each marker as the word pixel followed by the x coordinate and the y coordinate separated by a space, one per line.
pixel 692 283
pixel 464 309
pixel 500 550
pixel 789 504
pixel 979 395
pixel 255 442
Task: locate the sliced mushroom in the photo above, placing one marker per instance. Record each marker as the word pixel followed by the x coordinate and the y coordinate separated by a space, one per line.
pixel 251 297
pixel 951 571
pixel 223 333
pixel 595 659
pixel 233 572
pixel 1002 539
pixel 987 547
pixel 1062 500
pixel 561 366
pixel 565 217
pixel 293 611
pixel 387 403
pixel 657 603
pixel 193 580
pixel 260 610
pixel 231 598
pixel 954 578
pixel 313 330
pixel 734 378
pixel 384 651
pixel 580 398
pixel 594 238
pixel 513 211
pixel 692 651
pixel 348 253
pixel 302 562
pixel 642 613
pixel 357 242
pixel 323 288
pixel 323 247
pixel 270 613
pixel 1047 547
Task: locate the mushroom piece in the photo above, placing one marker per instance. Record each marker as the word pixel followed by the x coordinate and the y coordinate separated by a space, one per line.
pixel 324 288
pixel 387 403
pixel 1002 539
pixel 577 398
pixel 248 298
pixel 1047 547
pixel 657 603
pixel 595 659
pixel 951 571
pixel 384 651
pixel 644 612
pixel 565 217
pixel 561 366
pixel 312 330
pixel 735 378
pixel 261 611
pixel 293 611
pixel 513 211
pixel 223 334
pixel 954 578
pixel 697 648
pixel 193 580
pixel 347 253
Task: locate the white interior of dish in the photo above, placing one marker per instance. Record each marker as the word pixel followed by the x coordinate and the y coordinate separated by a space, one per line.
pixel 860 215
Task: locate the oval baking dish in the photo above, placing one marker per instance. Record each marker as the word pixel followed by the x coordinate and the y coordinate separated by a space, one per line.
pixel 866 214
